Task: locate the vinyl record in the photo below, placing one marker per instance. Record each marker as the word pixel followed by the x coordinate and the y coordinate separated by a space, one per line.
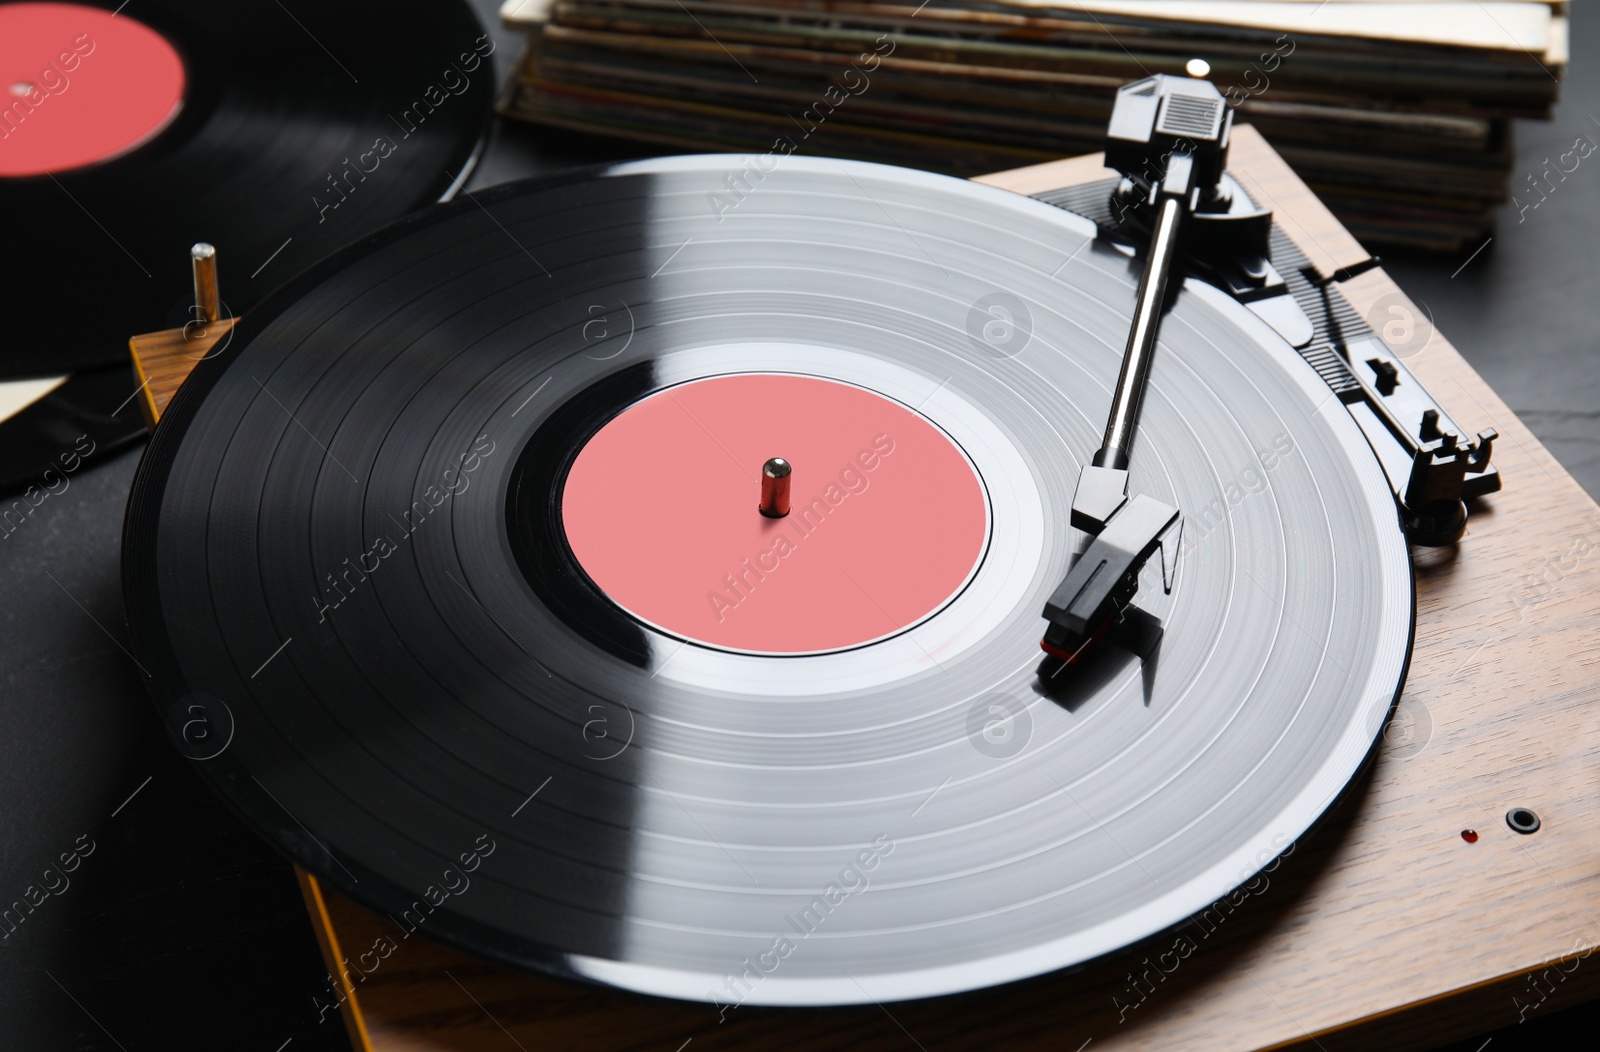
pixel 63 424
pixel 277 132
pixel 440 541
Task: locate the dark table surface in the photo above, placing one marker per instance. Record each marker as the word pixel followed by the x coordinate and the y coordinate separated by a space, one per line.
pixel 180 930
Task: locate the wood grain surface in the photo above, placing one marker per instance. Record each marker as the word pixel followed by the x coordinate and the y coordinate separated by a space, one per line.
pixel 1384 928
pixel 163 360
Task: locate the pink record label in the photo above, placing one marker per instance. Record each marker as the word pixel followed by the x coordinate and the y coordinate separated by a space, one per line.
pixel 79 85
pixel 888 517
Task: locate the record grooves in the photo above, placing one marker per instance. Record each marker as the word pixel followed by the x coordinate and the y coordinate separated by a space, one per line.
pixel 446 656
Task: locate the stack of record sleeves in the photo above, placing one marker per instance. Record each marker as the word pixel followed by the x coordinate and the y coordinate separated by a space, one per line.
pixel 1397 113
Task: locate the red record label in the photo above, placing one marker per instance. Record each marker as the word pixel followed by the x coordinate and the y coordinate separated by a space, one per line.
pixel 79 85
pixel 888 517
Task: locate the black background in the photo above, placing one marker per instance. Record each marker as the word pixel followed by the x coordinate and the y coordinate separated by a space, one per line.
pixel 182 931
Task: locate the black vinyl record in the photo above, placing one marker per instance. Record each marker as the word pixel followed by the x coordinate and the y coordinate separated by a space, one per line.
pixel 301 127
pixel 86 417
pixel 349 587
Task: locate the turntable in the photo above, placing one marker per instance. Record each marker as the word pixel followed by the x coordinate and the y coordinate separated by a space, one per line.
pixel 957 609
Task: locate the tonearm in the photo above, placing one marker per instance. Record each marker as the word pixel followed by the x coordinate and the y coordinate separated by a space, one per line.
pixel 1168 138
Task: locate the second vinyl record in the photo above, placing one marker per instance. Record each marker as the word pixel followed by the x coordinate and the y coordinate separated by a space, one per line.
pixel 276 132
